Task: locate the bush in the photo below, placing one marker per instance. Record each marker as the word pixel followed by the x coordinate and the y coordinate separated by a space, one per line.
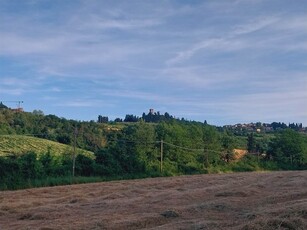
pixel 84 166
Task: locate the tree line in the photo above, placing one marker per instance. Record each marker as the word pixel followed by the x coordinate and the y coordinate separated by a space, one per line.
pixel 134 149
pixel 151 116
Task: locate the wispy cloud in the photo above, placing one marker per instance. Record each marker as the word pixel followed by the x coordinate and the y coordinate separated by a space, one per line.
pixel 97 22
pixel 214 57
pixel 228 42
pixel 75 104
pixel 11 92
pixel 254 26
pixel 16 85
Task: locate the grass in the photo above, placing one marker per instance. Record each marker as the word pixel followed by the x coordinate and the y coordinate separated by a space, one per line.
pixel 238 201
pixel 18 144
pixel 50 182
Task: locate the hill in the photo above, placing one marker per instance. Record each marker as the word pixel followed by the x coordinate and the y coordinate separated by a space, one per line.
pixel 270 200
pixel 137 149
pixel 19 144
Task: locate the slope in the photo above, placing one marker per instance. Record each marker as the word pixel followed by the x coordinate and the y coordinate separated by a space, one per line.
pixel 18 144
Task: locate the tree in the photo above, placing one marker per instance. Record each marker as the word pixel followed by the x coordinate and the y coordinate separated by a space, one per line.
pixel 167 116
pixel 103 119
pixel 64 138
pixel 84 165
pixel 228 143
pixel 251 143
pixel 47 163
pixel 211 140
pixel 131 118
pixel 30 166
pixel 118 120
pixel 289 148
pixel 106 164
pixel 38 112
pixel 2 106
pixel 145 138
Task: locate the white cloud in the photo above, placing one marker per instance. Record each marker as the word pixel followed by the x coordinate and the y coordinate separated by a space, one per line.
pixel 292 23
pixel 101 23
pixel 213 57
pixel 255 25
pixel 228 42
pixel 75 104
pixel 11 92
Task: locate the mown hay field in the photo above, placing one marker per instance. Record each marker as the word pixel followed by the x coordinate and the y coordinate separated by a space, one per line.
pixel 254 200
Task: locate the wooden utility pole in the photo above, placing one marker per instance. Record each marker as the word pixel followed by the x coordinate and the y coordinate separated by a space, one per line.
pixel 161 156
pixel 74 152
pixel 207 157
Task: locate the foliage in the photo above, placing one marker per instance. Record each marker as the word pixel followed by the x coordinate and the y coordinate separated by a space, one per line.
pixel 156 117
pixel 251 143
pixel 212 146
pixel 289 149
pixel 2 106
pixel 52 128
pixel 132 150
pixel 103 119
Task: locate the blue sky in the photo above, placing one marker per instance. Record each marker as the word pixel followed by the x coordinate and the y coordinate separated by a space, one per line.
pixel 224 61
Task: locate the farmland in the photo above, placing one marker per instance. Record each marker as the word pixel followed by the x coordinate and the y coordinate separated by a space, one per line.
pixel 18 144
pixel 257 200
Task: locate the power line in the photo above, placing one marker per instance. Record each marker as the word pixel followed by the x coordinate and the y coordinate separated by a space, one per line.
pixel 128 141
pixel 181 147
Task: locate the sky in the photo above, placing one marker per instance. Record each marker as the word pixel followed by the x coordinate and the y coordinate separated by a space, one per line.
pixel 224 61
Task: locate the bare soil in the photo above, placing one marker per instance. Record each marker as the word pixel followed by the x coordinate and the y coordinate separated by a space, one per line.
pixel 270 200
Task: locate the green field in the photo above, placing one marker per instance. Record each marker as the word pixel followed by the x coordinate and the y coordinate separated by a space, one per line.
pixel 18 144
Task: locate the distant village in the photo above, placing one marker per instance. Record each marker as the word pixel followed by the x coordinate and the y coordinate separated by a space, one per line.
pixel 265 127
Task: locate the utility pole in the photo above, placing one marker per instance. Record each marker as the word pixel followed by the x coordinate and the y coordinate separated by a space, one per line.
pixel 206 153
pixel 74 152
pixel 161 156
pixel 18 104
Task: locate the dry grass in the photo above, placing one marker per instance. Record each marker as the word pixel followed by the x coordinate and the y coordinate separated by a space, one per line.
pixel 276 200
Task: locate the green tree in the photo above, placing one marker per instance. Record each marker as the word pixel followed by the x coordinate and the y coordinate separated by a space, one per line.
pixel 106 164
pixel 10 173
pixel 251 143
pixel 30 166
pixel 47 163
pixel 228 144
pixel 145 139
pixel 289 149
pixel 212 146
pixel 103 119
pixel 182 141
pixel 84 165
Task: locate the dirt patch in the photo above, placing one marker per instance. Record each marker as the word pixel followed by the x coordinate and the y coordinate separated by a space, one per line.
pixel 170 214
pixel 243 201
pixel 239 153
pixel 277 223
pixel 30 216
pixel 231 194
